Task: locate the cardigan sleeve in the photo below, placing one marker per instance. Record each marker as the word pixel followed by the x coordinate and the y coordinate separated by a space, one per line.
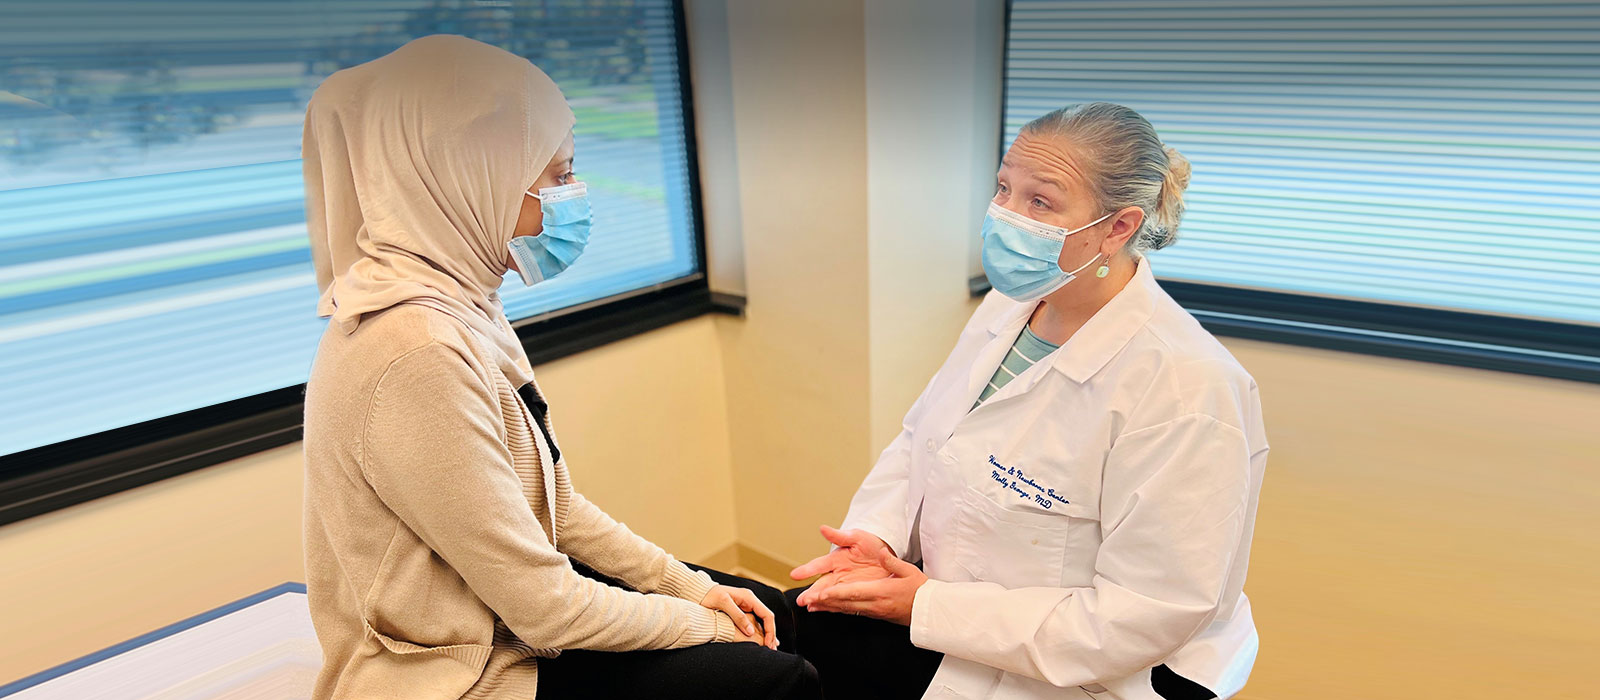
pixel 431 449
pixel 610 548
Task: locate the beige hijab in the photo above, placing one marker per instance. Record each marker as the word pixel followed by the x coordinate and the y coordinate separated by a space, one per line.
pixel 415 166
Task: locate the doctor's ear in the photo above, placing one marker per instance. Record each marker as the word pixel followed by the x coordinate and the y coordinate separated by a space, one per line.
pixel 1124 224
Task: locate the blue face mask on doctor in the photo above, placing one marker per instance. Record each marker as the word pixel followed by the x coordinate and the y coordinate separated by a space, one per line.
pixel 565 233
pixel 1022 257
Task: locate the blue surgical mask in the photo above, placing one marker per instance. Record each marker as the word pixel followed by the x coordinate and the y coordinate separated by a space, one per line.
pixel 1021 256
pixel 567 218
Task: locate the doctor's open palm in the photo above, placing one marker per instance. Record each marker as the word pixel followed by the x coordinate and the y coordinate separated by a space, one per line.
pixel 858 558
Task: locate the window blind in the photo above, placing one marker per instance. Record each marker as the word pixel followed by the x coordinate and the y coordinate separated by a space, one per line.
pixel 1427 153
pixel 153 251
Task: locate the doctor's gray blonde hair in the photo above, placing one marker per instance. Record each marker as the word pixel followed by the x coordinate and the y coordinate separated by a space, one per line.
pixel 1128 165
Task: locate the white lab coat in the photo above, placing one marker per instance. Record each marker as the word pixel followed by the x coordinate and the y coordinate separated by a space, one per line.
pixel 1091 520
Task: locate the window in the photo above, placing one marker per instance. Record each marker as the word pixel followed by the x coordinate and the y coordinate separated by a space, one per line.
pixel 1420 179
pixel 153 253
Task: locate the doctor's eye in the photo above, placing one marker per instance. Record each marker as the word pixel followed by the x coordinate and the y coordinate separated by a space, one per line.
pixel 1040 203
pixel 1000 188
pixel 566 177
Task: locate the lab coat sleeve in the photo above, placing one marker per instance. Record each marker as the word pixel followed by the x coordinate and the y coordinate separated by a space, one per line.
pixel 431 450
pixel 610 548
pixel 880 506
pixel 1171 525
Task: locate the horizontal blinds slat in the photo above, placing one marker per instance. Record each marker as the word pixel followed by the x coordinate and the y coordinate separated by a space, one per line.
pixel 173 271
pixel 1432 153
pixel 1309 7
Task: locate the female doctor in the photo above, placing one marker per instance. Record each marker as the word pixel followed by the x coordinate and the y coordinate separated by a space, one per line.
pixel 1078 481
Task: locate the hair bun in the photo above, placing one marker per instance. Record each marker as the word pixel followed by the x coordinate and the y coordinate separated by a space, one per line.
pixel 1163 231
pixel 1178 169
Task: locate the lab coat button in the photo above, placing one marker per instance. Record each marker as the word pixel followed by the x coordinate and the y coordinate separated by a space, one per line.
pixel 931 445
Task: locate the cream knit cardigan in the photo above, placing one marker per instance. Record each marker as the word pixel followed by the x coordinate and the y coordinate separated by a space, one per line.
pixel 438 530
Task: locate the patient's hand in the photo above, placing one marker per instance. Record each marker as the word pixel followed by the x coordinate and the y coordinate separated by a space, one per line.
pixel 858 558
pixel 740 604
pixel 740 636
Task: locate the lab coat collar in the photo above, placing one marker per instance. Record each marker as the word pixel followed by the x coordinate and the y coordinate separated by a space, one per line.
pixel 1105 334
pixel 1110 329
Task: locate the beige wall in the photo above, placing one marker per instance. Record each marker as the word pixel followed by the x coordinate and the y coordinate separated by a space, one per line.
pixel 797 363
pixel 857 195
pixel 86 577
pixel 928 176
pixel 1425 531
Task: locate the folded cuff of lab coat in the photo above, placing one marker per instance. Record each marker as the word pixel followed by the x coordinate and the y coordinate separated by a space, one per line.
pixel 931 624
pixel 680 581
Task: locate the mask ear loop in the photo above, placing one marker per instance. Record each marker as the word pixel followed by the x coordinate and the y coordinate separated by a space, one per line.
pixel 512 242
pixel 1081 268
pixel 1104 269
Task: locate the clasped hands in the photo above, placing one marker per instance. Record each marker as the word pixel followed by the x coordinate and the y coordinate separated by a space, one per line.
pixel 752 621
pixel 863 576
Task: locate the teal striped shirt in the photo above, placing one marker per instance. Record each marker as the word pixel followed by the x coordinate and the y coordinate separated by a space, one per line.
pixel 1028 349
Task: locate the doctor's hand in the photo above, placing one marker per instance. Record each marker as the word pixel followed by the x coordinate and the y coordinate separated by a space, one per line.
pixel 740 605
pixel 857 559
pixel 887 598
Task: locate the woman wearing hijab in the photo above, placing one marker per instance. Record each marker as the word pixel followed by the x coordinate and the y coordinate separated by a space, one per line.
pixel 443 536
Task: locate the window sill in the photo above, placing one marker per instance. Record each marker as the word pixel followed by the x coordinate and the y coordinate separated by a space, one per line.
pixel 51 477
pixel 1479 341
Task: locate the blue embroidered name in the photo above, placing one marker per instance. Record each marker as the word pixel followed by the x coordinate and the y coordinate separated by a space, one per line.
pixel 1013 479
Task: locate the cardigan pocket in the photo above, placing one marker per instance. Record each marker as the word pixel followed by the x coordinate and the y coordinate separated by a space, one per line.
pixel 418 671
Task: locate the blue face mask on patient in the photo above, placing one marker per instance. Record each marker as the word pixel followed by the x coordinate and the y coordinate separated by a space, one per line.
pixel 1021 257
pixel 567 219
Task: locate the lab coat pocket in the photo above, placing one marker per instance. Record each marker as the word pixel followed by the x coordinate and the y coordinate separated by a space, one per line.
pixel 1012 547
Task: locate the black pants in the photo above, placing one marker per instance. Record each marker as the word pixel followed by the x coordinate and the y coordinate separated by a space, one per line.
pixel 859 657
pixel 708 671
